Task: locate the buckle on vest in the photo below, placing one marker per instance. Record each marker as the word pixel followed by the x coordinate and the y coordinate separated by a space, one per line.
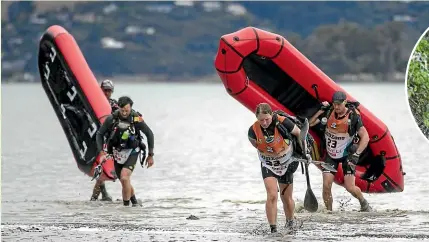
pixel 269 139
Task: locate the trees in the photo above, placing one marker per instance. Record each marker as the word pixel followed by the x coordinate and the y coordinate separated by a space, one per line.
pixel 340 38
pixel 418 84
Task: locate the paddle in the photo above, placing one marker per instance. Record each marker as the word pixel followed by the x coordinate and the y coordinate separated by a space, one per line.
pixel 316 162
pixel 99 169
pixel 310 200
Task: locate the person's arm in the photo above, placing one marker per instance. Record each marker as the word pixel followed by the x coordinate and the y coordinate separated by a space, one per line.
pixel 363 135
pixel 252 136
pixel 363 141
pixel 314 120
pixel 291 127
pixel 142 126
pixel 102 131
pixel 294 130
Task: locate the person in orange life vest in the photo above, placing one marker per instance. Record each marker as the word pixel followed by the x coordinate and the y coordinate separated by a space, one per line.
pixel 341 125
pixel 277 165
pixel 107 87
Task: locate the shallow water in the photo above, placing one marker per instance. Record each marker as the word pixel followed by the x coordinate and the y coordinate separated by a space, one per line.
pixel 204 166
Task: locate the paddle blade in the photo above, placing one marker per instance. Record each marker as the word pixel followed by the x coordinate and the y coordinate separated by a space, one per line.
pixel 328 167
pixel 303 136
pixel 310 201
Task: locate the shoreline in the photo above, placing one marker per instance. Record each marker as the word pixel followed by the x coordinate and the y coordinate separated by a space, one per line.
pixel 213 79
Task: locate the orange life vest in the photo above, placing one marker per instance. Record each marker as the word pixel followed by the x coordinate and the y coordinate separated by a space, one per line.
pixel 337 135
pixel 277 146
pixel 338 126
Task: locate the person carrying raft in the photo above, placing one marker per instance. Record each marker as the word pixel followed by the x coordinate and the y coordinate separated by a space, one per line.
pixel 344 138
pixel 124 143
pixel 108 88
pixel 274 136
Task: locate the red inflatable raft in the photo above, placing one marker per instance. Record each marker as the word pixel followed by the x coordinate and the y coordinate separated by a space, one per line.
pixel 258 66
pixel 78 101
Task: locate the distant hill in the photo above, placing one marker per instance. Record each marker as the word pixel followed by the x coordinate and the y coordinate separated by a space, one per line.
pixel 178 40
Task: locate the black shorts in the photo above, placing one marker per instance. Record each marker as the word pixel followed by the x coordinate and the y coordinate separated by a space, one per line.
pixel 129 164
pixel 287 178
pixel 347 169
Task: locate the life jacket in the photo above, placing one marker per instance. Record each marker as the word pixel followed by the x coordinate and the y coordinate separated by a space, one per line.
pixel 352 110
pixel 271 145
pixel 339 134
pixel 339 126
pixel 123 133
pixel 275 152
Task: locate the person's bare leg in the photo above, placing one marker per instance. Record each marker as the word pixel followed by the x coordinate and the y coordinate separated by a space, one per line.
pixel 96 190
pixel 349 184
pixel 104 194
pixel 288 202
pixel 126 185
pixel 328 179
pixel 271 203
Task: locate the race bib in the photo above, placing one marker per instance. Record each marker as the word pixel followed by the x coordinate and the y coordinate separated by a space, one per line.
pixel 278 165
pixel 336 144
pixel 121 156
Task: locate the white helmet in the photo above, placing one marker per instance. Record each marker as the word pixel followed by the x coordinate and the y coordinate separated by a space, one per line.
pixel 107 84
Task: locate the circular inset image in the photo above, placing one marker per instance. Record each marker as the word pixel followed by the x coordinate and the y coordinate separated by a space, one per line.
pixel 417 82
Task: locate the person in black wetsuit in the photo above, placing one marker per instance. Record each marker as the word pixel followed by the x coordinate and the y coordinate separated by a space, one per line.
pixel 124 143
pixel 108 88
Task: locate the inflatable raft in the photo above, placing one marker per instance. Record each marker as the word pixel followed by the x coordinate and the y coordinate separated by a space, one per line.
pixel 76 98
pixel 258 66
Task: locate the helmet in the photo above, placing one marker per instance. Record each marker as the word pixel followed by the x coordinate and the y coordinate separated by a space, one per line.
pixel 107 84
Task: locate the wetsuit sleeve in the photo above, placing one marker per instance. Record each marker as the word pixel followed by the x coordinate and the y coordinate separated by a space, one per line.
pixel 288 124
pixel 251 133
pixel 142 126
pixel 102 131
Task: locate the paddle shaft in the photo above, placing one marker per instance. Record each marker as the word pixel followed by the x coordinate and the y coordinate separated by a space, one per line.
pixel 307 177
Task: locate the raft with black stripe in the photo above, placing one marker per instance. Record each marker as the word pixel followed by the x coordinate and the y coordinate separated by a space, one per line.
pixel 76 98
pixel 258 66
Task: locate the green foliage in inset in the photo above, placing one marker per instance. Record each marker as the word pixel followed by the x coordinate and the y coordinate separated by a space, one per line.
pixel 418 84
